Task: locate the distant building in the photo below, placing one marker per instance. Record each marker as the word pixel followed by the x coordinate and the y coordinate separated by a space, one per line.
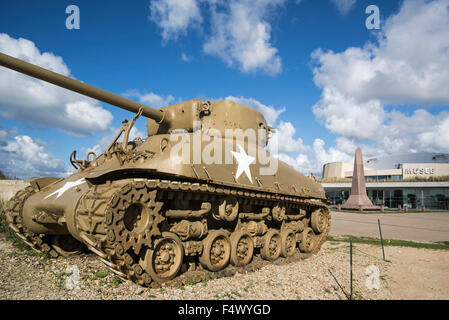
pixel 395 167
pixel 385 180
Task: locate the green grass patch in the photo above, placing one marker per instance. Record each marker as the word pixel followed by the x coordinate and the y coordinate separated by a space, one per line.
pixel 192 282
pixel 203 281
pixel 4 227
pixel 357 296
pixel 101 274
pixel 116 281
pixel 391 242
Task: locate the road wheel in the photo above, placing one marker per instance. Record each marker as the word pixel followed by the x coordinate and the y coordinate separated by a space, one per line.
pixel 165 259
pixel 307 241
pixel 271 248
pixel 242 248
pixel 288 243
pixel 216 250
pixel 318 221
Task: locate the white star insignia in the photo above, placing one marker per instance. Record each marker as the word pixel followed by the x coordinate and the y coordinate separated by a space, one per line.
pixel 244 161
pixel 67 186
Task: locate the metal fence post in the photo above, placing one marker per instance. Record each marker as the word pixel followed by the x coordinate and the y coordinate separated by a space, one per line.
pixel 350 254
pixel 381 240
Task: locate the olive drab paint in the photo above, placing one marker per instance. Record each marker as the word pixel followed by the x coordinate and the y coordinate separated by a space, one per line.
pixel 200 190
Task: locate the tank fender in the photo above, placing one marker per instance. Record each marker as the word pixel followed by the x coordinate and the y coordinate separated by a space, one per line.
pixel 40 183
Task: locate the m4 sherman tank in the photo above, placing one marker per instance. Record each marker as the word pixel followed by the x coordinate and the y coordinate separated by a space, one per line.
pixel 200 191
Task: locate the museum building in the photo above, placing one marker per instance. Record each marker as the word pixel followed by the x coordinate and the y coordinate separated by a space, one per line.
pixel 395 180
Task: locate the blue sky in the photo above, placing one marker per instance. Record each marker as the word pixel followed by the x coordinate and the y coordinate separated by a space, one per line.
pixel 165 51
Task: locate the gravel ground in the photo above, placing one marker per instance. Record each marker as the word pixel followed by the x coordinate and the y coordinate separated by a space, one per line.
pixel 24 275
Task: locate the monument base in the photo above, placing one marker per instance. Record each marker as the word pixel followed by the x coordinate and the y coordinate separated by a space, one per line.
pixel 360 201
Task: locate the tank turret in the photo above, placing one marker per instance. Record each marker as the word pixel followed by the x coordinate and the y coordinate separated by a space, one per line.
pixel 162 120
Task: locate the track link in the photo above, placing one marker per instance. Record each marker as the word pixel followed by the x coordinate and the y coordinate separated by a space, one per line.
pixel 94 218
pixel 38 242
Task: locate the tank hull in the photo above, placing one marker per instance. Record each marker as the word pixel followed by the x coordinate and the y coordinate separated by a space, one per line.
pixel 190 208
pixel 59 198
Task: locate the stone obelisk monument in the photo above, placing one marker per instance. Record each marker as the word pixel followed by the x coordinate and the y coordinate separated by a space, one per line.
pixel 358 198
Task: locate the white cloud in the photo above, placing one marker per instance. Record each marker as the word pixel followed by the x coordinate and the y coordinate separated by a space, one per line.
pixel 283 141
pixel 174 17
pixel 185 58
pixel 136 133
pixel 106 140
pixel 344 6
pixel 241 35
pixel 240 31
pixel 359 83
pixel 151 99
pixel 348 146
pixel 270 113
pixel 333 154
pixel 314 160
pixel 33 101
pixel 343 115
pixel 437 139
pixel 421 131
pixel 23 157
pixel 5 134
pixel 407 66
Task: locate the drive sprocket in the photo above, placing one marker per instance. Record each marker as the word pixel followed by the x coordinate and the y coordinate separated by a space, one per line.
pixel 133 217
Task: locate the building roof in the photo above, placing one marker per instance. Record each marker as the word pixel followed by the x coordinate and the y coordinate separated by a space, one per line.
pixel 392 161
pixel 402 184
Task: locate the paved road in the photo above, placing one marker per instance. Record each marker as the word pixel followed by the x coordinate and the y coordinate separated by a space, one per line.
pixel 421 227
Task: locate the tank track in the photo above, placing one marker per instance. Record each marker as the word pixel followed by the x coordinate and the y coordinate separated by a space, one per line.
pixel 123 255
pixel 40 243
pixel 98 226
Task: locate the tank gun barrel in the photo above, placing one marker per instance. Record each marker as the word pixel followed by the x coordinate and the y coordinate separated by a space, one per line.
pixel 78 86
